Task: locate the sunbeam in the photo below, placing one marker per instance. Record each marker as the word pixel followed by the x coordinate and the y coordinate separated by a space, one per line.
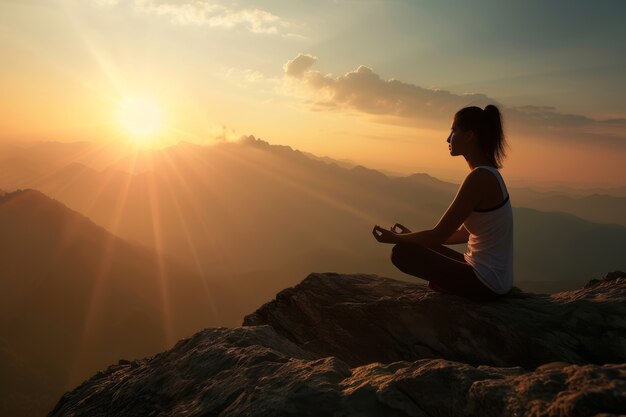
pixel 155 217
pixel 190 243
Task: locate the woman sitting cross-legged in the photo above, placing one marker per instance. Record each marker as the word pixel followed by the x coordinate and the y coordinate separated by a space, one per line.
pixel 480 215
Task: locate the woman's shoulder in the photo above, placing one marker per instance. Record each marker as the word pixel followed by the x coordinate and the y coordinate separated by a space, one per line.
pixel 482 176
pixel 474 184
pixel 490 185
pixel 485 181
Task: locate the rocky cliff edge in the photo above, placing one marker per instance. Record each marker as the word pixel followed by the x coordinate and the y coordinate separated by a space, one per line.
pixel 363 345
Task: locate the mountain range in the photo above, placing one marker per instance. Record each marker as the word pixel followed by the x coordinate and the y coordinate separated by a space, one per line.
pixel 269 211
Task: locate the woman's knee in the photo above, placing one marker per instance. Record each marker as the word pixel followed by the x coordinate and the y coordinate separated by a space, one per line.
pixel 398 252
pixel 401 253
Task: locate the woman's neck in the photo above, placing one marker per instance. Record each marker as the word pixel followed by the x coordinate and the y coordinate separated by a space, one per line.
pixel 477 162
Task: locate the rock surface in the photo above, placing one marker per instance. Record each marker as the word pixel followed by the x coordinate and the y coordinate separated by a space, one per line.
pixel 362 319
pixel 356 345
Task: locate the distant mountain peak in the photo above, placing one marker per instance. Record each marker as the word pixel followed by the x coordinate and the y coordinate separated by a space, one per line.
pixel 45 213
pixel 7 196
pixel 252 140
pixel 421 175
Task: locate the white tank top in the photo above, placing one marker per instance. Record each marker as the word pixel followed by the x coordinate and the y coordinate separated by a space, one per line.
pixel 490 244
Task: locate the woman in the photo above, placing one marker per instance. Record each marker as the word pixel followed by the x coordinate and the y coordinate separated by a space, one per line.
pixel 480 215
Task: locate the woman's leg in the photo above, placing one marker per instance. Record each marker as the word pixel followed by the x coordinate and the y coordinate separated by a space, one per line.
pixel 450 253
pixel 439 266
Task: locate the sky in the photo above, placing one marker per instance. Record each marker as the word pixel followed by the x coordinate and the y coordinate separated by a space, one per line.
pixel 375 82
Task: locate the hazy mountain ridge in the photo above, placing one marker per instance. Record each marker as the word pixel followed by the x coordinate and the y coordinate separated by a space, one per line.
pixel 560 245
pixel 288 214
pixel 73 297
pixel 600 208
pixel 600 205
pixel 605 206
pixel 22 165
pixel 370 346
pixel 236 185
pixel 609 210
pixel 582 192
pixel 344 163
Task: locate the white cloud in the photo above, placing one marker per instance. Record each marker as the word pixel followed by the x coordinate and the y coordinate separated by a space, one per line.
pixel 299 65
pixel 211 13
pixel 365 91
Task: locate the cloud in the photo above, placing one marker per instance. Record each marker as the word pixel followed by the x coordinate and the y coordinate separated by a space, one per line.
pixel 365 91
pixel 211 13
pixel 548 115
pixel 299 65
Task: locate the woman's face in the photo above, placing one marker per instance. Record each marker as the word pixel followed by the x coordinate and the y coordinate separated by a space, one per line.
pixel 457 141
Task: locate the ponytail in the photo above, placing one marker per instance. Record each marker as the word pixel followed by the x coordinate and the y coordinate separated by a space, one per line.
pixel 487 125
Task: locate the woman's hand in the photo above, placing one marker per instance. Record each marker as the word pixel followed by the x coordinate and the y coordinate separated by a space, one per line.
pixel 384 235
pixel 401 229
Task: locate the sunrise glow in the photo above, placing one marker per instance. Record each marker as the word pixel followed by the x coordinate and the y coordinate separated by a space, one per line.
pixel 141 119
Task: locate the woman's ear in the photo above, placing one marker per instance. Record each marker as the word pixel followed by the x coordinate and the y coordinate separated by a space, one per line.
pixel 471 136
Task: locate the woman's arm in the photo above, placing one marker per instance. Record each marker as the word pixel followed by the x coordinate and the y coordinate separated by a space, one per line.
pixel 458 237
pixel 467 198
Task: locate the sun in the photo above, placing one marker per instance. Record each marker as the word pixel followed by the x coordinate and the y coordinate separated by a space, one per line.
pixel 141 118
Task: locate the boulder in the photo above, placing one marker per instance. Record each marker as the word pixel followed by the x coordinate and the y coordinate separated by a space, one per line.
pixel 364 318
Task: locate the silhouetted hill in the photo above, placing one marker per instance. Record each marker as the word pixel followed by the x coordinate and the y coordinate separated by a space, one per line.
pixel 364 345
pixel 596 207
pixel 23 164
pixel 73 297
pixel 344 163
pixel 581 192
pixel 561 251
